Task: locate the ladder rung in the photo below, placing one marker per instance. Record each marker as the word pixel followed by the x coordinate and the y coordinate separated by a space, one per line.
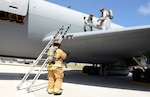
pixel 42 59
pixel 44 53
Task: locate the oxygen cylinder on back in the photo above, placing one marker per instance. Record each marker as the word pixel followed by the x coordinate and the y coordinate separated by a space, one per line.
pixel 50 54
pixel 111 14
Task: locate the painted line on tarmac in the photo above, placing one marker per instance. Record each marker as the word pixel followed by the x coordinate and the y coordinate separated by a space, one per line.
pixel 141 83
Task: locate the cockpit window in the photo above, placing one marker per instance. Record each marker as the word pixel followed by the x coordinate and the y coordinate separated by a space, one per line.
pixel 10 17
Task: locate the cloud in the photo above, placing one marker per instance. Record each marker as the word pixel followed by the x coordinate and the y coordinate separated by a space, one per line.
pixel 145 10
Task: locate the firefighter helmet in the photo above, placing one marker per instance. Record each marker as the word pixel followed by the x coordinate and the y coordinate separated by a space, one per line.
pixel 91 14
pixel 101 9
pixel 56 43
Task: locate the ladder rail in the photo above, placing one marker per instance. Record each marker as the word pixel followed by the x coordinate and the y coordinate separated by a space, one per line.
pixel 45 62
pixel 63 36
pixel 37 75
pixel 39 57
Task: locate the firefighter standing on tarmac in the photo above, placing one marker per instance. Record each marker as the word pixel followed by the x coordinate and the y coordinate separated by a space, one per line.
pixel 55 70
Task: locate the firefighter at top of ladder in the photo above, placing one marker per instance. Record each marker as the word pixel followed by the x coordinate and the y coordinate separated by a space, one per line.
pixel 104 19
pixel 55 70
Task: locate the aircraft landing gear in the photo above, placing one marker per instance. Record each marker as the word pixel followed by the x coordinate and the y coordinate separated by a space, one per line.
pixel 103 70
pixel 147 75
pixel 95 70
pixel 141 73
pixel 91 70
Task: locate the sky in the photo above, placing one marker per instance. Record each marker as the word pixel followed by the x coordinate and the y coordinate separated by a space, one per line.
pixel 127 13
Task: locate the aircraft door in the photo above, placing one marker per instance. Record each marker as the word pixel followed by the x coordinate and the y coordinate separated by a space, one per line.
pixel 18 7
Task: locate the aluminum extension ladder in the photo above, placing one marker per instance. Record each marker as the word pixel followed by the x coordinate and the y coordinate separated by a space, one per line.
pixel 42 58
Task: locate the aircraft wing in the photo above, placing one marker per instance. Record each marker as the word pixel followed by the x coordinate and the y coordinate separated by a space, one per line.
pixel 107 46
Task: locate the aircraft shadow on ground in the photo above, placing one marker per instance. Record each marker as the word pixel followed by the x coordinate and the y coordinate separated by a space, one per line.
pixel 120 82
pixel 77 77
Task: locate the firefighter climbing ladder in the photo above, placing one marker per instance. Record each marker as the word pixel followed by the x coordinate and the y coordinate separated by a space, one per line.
pixel 41 58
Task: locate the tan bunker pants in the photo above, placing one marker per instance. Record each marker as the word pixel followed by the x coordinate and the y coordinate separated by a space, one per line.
pixel 55 78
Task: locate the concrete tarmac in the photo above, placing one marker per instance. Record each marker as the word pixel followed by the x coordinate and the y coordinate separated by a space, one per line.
pixel 75 84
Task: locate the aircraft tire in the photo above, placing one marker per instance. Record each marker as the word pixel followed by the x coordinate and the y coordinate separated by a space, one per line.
pixel 93 70
pixel 147 75
pixel 90 70
pixel 85 69
pixel 137 75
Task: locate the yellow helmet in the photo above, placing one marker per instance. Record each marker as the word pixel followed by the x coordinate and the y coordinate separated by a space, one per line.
pixel 101 9
pixel 91 15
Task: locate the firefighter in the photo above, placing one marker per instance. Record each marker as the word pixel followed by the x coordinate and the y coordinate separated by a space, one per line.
pixel 55 70
pixel 88 23
pixel 104 19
